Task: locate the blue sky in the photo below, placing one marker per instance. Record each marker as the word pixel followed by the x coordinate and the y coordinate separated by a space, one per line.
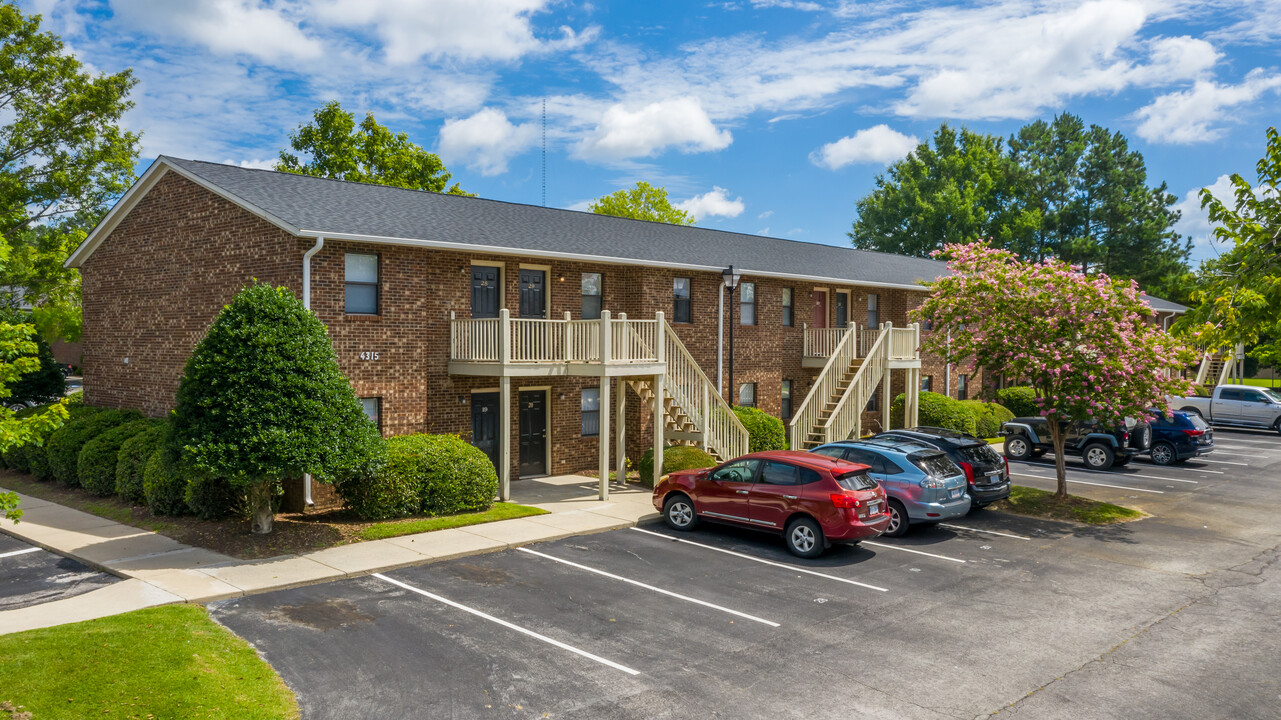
pixel 760 116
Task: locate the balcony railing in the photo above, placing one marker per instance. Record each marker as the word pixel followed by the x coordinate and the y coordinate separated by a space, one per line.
pixel 821 342
pixel 508 340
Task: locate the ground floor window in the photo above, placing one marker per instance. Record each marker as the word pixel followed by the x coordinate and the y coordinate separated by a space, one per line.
pixel 373 407
pixel 927 383
pixel 747 395
pixel 591 412
pixel 874 402
pixel 962 387
pixel 785 409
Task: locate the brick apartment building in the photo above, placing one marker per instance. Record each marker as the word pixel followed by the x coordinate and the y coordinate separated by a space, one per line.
pixel 462 315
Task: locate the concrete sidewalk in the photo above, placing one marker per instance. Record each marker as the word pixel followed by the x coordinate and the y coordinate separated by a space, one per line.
pixel 159 570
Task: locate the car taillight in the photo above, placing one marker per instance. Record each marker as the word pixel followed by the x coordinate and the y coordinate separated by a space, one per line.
pixel 969 471
pixel 1126 437
pixel 842 500
pixel 1194 433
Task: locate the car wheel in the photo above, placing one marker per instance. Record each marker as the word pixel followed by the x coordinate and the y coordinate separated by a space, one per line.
pixel 1163 454
pixel 1018 448
pixel 17 407
pixel 899 522
pixel 678 512
pixel 804 538
pixel 1098 456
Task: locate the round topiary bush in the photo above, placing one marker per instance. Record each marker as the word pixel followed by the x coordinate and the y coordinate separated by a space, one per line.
pixel 212 498
pixel 391 492
pixel 988 417
pixel 66 442
pixel 132 460
pixel 1019 400
pixel 937 411
pixel 764 431
pixel 96 467
pixel 164 484
pixel 431 474
pixel 675 457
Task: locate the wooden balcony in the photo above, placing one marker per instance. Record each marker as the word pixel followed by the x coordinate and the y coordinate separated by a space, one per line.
pixel 820 344
pixel 524 347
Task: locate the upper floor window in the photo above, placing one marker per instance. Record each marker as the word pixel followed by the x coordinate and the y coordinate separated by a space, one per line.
pixel 747 304
pixel 787 307
pixel 873 311
pixel 680 300
pixel 361 283
pixel 593 286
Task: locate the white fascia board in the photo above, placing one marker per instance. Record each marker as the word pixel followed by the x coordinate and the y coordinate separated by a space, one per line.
pixel 582 257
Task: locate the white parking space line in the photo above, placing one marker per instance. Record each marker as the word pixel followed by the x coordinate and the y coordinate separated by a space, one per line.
pixel 1258 442
pixel 762 561
pixel 1082 482
pixel 668 593
pixel 914 552
pixel 1124 475
pixel 1221 446
pixel 989 532
pixel 509 626
pixel 23 551
pixel 1223 462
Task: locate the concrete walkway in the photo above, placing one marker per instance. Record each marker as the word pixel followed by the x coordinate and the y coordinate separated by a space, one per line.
pixel 159 570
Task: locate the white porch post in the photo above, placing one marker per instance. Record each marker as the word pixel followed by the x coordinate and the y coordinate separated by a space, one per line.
pixel 504 438
pixel 660 343
pixel 888 344
pixel 620 452
pixel 603 437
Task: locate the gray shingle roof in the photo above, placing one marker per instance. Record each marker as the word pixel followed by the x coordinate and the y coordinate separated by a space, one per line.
pixel 334 207
pixel 1165 305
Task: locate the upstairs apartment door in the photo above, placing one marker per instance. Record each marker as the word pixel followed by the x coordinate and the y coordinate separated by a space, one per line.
pixel 820 309
pixel 485 291
pixel 842 308
pixel 533 289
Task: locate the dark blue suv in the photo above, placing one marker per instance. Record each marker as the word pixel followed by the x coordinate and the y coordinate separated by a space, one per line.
pixel 1178 437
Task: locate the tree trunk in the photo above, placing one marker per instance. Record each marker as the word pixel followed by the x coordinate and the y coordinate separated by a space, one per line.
pixel 260 506
pixel 1057 439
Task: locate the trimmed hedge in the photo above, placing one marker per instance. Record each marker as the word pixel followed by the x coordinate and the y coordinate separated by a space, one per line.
pixel 429 474
pixel 988 417
pixel 67 441
pixel 212 498
pixel 164 484
pixel 675 457
pixel 1019 400
pixel 937 411
pixel 764 431
pixel 132 460
pixel 96 466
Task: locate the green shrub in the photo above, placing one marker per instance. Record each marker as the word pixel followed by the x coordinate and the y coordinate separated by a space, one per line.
pixel 96 467
pixel 764 431
pixel 430 474
pixel 1019 400
pixel 132 460
pixel 67 441
pixel 164 484
pixel 675 457
pixel 44 383
pixel 988 417
pixel 212 498
pixel 937 411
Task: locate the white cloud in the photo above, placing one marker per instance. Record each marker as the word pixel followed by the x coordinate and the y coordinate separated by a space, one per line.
pixel 1194 115
pixel 679 123
pixel 255 163
pixel 247 27
pixel 467 29
pixel 765 214
pixel 713 203
pixel 879 144
pixel 486 141
pixel 1194 221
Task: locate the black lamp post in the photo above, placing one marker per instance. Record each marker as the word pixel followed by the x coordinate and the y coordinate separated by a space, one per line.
pixel 731 282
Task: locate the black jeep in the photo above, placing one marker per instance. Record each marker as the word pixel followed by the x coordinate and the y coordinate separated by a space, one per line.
pixel 1100 446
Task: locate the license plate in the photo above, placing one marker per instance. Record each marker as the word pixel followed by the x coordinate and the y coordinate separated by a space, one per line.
pixel 873 508
pixel 956 493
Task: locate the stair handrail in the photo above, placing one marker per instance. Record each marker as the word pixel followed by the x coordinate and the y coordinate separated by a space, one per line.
pixel 1204 369
pixel 723 433
pixel 845 352
pixel 843 420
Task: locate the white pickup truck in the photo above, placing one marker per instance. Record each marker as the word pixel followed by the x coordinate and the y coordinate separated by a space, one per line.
pixel 1237 405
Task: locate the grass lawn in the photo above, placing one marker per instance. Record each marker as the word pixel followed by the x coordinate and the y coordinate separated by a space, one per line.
pixel 1042 504
pixel 395 528
pixel 1263 382
pixel 166 662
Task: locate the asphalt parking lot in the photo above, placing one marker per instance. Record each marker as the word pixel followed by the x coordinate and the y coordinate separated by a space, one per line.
pixel 30 575
pixel 1171 616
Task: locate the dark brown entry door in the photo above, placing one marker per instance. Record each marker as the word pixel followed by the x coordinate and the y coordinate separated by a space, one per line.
pixel 842 309
pixel 484 424
pixel 533 432
pixel 532 289
pixel 820 309
pixel 485 292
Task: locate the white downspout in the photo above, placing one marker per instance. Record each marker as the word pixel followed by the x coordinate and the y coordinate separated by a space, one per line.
pixel 947 371
pixel 306 302
pixel 720 340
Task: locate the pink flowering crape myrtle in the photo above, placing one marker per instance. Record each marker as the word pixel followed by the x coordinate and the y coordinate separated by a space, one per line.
pixel 1084 343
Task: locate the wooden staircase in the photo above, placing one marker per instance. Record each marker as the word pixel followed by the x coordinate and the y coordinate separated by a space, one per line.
pixel 816 434
pixel 1216 368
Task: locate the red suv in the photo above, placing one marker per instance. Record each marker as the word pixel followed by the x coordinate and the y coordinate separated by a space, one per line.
pixel 812 500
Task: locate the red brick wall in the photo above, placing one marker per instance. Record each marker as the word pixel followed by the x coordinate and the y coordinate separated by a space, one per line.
pixel 152 288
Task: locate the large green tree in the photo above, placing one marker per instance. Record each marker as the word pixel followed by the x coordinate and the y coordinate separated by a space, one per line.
pixel 63 160
pixel 642 202
pixel 333 146
pixel 262 400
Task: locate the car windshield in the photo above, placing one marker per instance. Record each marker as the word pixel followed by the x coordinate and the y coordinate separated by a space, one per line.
pixel 936 465
pixel 978 454
pixel 1274 394
pixel 856 481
